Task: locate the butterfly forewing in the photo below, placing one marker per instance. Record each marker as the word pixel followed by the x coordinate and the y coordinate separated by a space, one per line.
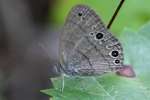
pixel 86 46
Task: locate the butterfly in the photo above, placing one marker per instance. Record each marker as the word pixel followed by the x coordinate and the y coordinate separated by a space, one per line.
pixel 87 48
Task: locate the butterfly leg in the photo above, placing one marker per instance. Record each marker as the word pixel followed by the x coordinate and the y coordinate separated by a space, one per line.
pixel 62 83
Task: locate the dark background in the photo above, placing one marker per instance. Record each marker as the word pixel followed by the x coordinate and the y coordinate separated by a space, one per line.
pixel 25 67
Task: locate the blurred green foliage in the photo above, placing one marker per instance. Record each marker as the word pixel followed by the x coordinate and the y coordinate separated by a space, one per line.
pixel 133 14
pixel 110 86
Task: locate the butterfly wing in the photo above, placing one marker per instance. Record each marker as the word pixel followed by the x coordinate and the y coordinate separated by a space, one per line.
pixel 86 46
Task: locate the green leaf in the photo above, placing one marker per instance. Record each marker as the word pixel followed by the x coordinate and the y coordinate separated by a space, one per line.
pixel 110 86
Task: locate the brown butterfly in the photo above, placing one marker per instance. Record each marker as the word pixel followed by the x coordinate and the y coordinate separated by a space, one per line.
pixel 87 48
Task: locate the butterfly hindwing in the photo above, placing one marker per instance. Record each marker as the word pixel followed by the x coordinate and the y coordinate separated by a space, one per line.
pixel 86 46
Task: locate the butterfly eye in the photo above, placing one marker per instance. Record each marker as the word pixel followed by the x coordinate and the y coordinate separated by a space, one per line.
pixel 80 14
pixel 114 53
pixel 99 36
pixel 117 61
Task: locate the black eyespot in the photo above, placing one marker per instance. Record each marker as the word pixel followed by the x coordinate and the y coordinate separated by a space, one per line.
pixel 114 53
pixel 99 35
pixel 79 14
pixel 91 33
pixel 117 61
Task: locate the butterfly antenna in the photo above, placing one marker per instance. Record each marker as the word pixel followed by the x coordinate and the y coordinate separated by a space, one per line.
pixel 115 14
